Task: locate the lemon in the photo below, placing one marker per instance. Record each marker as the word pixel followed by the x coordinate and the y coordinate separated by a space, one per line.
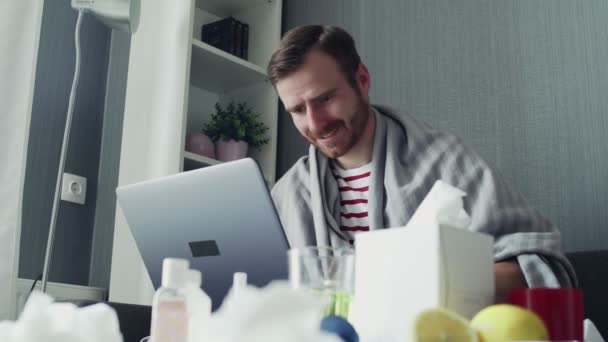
pixel 505 322
pixel 436 325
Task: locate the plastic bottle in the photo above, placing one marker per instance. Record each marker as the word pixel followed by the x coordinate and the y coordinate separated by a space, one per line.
pixel 199 306
pixel 169 307
pixel 239 282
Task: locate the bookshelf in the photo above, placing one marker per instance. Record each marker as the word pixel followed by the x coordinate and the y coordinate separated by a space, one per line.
pixel 194 161
pixel 174 81
pixel 218 71
pixel 224 8
pixel 218 76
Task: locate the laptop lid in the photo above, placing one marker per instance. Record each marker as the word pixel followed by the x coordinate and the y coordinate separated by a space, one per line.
pixel 221 218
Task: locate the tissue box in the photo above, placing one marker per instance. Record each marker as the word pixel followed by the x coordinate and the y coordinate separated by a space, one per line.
pixel 402 271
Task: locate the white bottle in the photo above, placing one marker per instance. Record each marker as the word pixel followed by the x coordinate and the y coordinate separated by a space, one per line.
pixel 199 306
pixel 169 307
pixel 239 282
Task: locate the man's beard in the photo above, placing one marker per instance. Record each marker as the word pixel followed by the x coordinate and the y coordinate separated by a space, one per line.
pixel 357 126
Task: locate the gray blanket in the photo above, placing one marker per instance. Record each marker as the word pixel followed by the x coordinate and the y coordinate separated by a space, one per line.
pixel 408 158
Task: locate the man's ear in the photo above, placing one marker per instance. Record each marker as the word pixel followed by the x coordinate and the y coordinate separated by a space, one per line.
pixel 363 80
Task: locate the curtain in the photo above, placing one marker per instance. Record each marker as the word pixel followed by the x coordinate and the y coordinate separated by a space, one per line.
pixel 20 31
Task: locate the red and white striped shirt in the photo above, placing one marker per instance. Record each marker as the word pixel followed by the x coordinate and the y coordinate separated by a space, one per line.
pixel 353 185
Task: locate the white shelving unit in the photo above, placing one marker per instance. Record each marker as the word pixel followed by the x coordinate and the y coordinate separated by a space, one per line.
pixel 174 81
pixel 219 71
pixel 218 76
pixel 195 161
pixel 224 8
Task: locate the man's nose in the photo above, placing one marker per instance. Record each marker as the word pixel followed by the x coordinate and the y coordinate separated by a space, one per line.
pixel 317 119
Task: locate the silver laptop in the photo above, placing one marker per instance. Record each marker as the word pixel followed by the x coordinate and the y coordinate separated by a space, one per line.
pixel 221 218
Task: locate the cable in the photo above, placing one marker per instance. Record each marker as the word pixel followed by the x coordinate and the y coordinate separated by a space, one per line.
pixel 64 149
pixel 39 277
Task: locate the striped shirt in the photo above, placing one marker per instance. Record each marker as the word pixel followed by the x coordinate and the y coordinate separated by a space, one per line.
pixel 353 185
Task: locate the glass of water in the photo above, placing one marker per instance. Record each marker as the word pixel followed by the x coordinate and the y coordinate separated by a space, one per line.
pixel 327 272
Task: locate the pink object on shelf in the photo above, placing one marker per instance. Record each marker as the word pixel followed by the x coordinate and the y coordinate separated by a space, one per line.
pixel 200 143
pixel 230 150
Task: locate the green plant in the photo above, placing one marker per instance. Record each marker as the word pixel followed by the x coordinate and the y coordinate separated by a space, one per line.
pixel 236 121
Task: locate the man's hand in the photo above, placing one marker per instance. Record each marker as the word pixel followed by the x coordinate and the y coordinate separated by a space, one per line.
pixel 507 276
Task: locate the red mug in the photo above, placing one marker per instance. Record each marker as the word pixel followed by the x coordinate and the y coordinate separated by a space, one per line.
pixel 560 308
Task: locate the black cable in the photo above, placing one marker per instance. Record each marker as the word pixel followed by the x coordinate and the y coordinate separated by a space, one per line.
pixel 39 277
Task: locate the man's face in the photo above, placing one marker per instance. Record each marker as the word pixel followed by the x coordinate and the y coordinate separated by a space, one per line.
pixel 324 107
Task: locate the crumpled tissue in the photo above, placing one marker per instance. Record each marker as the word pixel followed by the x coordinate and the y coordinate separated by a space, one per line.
pixel 273 313
pixel 44 320
pixel 442 206
pixel 591 332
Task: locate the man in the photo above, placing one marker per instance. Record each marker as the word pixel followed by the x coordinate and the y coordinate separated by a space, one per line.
pixel 369 167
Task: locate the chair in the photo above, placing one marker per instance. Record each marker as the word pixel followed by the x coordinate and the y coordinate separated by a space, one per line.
pixel 592 270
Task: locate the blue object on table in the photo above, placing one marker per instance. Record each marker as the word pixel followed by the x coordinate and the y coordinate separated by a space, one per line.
pixel 339 326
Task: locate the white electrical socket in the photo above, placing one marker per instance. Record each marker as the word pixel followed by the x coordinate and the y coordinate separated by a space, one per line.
pixel 74 188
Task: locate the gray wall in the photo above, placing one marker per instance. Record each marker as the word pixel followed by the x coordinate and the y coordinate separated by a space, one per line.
pixel 55 67
pixel 523 82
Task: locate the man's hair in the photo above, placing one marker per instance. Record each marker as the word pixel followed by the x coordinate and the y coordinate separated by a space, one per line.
pixel 298 42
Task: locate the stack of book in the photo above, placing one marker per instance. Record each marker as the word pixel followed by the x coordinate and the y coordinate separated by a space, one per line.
pixel 229 35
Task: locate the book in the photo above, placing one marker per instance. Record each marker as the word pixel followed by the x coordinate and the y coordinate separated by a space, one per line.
pixel 221 34
pixel 230 43
pixel 245 41
pixel 238 37
pixel 229 35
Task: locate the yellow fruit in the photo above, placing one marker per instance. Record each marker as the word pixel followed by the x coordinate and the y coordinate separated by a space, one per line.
pixel 436 325
pixel 505 322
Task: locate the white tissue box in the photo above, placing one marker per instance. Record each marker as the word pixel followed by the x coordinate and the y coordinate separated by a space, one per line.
pixel 402 271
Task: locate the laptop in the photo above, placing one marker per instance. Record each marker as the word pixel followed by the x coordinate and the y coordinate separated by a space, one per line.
pixel 221 218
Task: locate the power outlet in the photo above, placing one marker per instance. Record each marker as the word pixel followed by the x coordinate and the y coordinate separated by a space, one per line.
pixel 74 188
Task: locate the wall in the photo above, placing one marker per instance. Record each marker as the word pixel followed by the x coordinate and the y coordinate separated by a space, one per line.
pixel 55 67
pixel 522 82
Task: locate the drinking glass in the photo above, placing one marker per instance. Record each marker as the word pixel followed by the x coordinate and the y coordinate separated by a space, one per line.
pixel 326 271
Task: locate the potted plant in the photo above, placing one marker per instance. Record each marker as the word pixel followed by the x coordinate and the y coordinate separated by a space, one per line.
pixel 234 128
